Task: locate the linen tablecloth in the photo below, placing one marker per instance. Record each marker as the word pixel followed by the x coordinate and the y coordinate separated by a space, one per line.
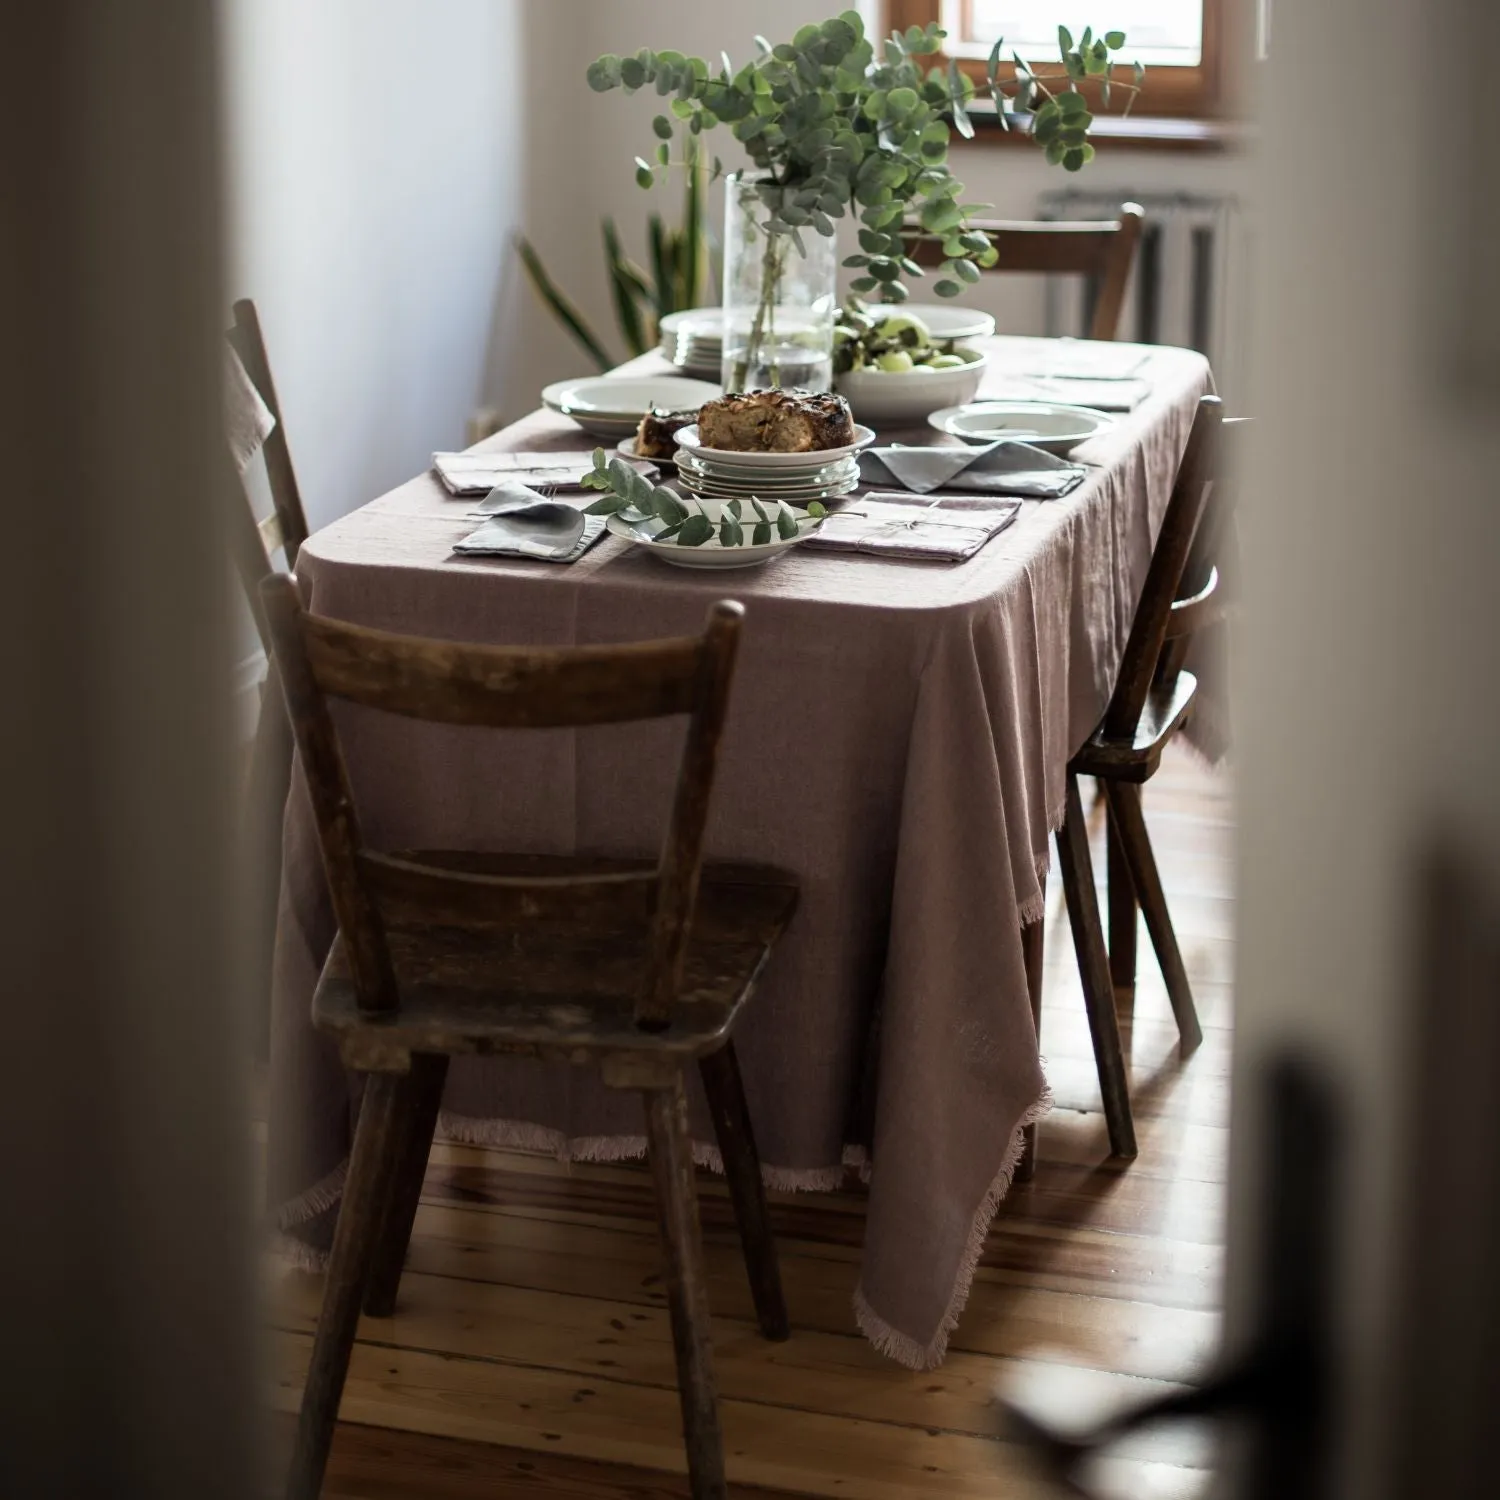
pixel 897 737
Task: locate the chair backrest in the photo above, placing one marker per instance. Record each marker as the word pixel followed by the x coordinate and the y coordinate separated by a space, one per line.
pixel 1181 593
pixel 1103 251
pixel 512 688
pixel 288 528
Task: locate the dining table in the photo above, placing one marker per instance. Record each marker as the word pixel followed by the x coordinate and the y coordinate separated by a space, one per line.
pixel 898 737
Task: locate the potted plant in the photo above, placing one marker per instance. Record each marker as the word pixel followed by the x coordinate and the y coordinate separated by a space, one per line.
pixel 832 131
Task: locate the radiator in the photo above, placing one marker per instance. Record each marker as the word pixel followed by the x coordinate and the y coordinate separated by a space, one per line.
pixel 1186 287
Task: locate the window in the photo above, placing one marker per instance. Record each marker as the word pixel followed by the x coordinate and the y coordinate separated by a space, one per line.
pixel 1179 41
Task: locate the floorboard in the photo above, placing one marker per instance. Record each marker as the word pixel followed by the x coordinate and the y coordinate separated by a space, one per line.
pixel 531 1350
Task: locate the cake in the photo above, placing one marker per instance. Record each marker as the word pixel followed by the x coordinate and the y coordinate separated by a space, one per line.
pixel 776 422
pixel 653 438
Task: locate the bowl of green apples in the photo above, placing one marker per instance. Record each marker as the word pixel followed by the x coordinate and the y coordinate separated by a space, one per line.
pixel 894 372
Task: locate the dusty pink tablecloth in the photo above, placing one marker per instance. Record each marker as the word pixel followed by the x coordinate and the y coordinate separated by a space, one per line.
pixel 898 738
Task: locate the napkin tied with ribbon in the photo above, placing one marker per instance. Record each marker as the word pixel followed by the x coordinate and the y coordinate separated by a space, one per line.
pixel 1004 467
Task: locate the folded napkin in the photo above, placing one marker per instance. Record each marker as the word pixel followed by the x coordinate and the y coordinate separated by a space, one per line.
pixel 895 527
pixel 1078 359
pixel 479 473
pixel 247 419
pixel 1073 390
pixel 1004 467
pixel 523 523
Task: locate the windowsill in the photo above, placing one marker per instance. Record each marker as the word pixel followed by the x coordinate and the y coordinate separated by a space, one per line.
pixel 1139 132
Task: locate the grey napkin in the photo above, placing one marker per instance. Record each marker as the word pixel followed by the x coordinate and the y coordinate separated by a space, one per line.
pixel 1003 467
pixel 247 419
pixel 901 529
pixel 476 473
pixel 523 523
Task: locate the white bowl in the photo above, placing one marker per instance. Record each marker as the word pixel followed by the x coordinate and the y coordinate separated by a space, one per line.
pixel 909 397
pixel 946 320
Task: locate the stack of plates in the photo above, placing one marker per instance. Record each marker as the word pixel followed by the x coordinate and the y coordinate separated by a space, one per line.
pixel 694 340
pixel 797 478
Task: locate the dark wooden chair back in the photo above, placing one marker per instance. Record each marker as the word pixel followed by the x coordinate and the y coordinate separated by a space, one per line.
pixel 511 688
pixel 286 527
pixel 1103 251
pixel 1181 593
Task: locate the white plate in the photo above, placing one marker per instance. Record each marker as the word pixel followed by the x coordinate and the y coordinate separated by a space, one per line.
pixel 710 554
pixel 944 321
pixel 687 437
pixel 612 405
pixel 705 323
pixel 770 478
pixel 1043 424
pixel 825 492
pixel 626 449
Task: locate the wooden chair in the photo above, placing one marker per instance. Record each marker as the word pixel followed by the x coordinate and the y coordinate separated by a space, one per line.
pixel 639 968
pixel 1153 697
pixel 1103 251
pixel 254 543
pixel 286 527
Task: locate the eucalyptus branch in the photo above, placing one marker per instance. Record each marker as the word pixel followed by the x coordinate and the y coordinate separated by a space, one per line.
pixel 836 132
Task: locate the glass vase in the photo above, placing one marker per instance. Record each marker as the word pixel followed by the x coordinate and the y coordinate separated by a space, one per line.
pixel 780 293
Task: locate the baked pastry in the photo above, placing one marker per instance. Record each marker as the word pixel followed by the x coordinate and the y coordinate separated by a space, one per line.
pixel 653 438
pixel 776 422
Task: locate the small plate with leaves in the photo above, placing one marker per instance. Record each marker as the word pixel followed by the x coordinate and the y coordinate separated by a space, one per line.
pixel 691 532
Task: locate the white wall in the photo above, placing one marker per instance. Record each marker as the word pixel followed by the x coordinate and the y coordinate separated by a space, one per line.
pixel 376 158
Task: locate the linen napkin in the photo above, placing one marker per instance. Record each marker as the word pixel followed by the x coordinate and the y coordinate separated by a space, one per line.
pixel 897 528
pixel 479 473
pixel 247 419
pixel 523 523
pixel 1004 467
pixel 1103 394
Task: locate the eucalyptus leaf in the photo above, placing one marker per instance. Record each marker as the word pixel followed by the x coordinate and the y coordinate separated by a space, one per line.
pixel 696 530
pixel 761 536
pixel 786 522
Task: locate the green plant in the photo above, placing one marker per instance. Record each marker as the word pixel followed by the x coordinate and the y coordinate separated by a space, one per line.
pixel 677 278
pixel 628 493
pixel 831 131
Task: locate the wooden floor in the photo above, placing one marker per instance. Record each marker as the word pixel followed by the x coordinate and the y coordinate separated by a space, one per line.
pixel 532 1353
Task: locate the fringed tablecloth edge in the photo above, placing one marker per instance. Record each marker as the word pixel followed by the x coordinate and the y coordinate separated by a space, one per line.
pixel 901 1347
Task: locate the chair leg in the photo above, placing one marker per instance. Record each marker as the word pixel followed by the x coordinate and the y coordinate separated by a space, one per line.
pixel 429 1072
pixel 1125 814
pixel 677 1209
pixel 1034 946
pixel 1093 969
pixel 377 1141
pixel 725 1088
pixel 1122 917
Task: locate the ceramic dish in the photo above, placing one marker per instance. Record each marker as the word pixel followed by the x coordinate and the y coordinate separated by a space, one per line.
pixel 710 554
pixel 707 490
pixel 721 458
pixel 893 398
pixel 769 479
pixel 626 449
pixel 1043 424
pixel 612 405
pixel 944 321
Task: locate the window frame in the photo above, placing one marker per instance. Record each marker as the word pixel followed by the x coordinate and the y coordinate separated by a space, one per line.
pixel 1171 93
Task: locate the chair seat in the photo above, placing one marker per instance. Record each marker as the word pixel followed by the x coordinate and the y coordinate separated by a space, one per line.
pixel 1136 759
pixel 555 990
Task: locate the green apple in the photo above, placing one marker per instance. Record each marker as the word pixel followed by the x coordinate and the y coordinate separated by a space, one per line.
pixel 906 327
pixel 897 362
pixel 945 362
